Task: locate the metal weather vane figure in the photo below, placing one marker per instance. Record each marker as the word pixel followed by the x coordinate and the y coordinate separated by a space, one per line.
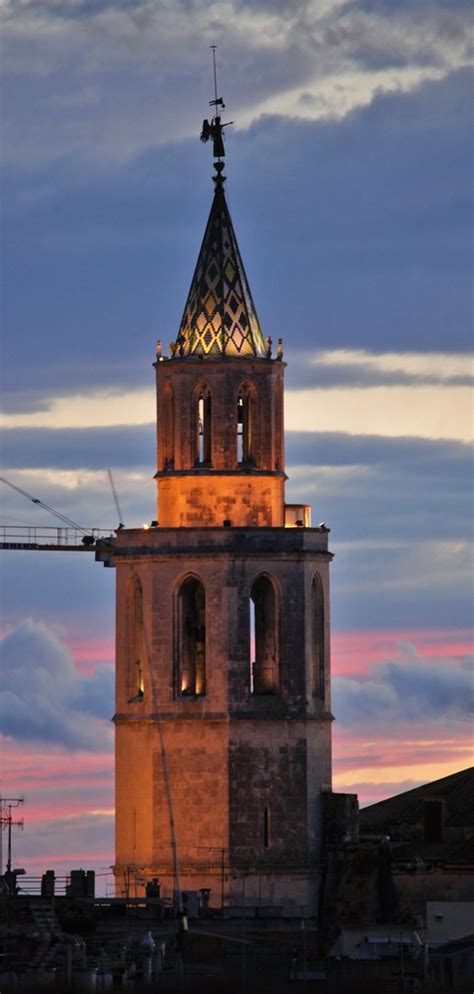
pixel 214 128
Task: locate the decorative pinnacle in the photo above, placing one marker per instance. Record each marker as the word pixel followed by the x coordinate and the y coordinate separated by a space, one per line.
pixel 214 128
pixel 219 179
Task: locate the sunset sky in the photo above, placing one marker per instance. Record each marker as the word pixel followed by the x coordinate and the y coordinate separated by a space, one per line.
pixel 349 182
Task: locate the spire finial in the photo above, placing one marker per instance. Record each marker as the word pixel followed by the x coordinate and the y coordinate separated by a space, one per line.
pixel 214 129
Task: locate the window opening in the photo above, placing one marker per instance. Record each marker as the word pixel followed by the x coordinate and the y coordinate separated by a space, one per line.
pixel 204 427
pixel 201 430
pixel 252 645
pixel 318 641
pixel 245 427
pixel 240 429
pixel 140 681
pixel 136 686
pixel 264 640
pixel 192 639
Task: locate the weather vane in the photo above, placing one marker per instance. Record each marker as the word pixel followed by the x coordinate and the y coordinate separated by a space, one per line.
pixel 214 128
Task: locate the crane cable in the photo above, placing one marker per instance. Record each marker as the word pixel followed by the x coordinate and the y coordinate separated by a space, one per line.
pixel 46 507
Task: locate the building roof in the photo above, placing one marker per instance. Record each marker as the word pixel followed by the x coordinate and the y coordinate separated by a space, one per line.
pixel 456 790
pixel 219 316
pixel 454 946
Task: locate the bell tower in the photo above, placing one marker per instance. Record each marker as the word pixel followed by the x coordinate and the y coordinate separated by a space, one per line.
pixel 220 397
pixel 223 695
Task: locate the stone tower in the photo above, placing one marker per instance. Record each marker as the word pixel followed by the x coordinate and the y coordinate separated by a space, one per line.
pixel 222 708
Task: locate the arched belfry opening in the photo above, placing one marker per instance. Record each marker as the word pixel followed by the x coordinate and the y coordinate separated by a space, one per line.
pixel 135 640
pixel 264 637
pixel 317 637
pixel 191 639
pixel 247 450
pixel 202 425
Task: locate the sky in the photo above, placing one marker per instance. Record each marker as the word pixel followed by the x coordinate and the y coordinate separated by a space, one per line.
pixel 349 182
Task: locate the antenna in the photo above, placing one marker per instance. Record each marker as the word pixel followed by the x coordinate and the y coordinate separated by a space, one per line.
pixel 8 821
pixel 213 47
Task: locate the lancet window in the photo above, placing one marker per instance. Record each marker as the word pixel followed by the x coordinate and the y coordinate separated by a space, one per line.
pixel 264 637
pixel 246 425
pixel 203 427
pixel 191 648
pixel 317 637
pixel 135 648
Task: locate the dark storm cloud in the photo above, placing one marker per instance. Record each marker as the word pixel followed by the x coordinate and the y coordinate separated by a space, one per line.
pixel 94 695
pixel 368 246
pixel 57 585
pixel 453 459
pixel 410 489
pixel 414 489
pixel 42 697
pixel 407 689
pixel 382 35
pixel 73 448
pixel 399 512
pixel 304 373
pixel 375 223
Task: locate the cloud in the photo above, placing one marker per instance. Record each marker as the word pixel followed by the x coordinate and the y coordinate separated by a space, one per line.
pixel 44 700
pixel 438 409
pixel 370 251
pixel 371 489
pixel 353 652
pixel 405 690
pixel 85 840
pixel 91 410
pixel 315 59
pixel 400 514
pixel 361 367
pixel 389 411
pixel 121 446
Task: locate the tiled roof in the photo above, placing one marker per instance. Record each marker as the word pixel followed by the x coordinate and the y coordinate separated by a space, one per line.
pixel 457 791
pixel 219 316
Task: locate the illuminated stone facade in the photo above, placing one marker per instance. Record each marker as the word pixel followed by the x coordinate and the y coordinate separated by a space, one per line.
pixel 222 629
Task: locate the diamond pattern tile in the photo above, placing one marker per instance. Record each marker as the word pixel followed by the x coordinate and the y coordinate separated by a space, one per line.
pixel 219 317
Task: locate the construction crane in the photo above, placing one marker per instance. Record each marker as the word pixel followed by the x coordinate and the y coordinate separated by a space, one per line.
pixel 70 537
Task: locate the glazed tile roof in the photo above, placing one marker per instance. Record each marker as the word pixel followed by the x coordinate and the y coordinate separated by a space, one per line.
pixel 219 317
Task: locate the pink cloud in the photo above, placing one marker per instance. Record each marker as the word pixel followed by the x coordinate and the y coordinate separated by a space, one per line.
pixel 63 790
pixel 351 652
pixel 379 766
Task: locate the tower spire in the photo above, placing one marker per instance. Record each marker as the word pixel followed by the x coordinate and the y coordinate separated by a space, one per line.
pixel 219 315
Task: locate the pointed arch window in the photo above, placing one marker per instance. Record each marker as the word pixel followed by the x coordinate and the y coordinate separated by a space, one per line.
pixel 168 424
pixel 135 647
pixel 191 648
pixel 246 425
pixel 203 427
pixel 264 637
pixel 317 637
